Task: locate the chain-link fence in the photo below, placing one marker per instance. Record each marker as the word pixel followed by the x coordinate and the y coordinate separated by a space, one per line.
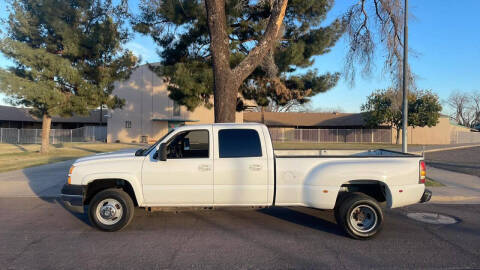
pixel 464 137
pixel 331 135
pixel 26 136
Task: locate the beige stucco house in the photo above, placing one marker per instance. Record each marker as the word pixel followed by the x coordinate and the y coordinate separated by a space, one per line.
pixel 445 132
pixel 148 112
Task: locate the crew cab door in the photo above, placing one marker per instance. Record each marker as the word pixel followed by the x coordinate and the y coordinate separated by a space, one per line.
pixel 240 161
pixel 186 177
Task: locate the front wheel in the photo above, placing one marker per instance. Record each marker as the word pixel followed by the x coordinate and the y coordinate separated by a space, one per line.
pixel 360 216
pixel 111 210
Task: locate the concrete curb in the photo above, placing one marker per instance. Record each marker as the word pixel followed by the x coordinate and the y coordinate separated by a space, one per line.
pixel 444 199
pixel 449 200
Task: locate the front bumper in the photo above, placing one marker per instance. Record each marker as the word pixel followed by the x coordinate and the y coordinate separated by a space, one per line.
pixel 73 197
pixel 427 195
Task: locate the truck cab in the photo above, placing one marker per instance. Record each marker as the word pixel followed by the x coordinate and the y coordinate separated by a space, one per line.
pixel 188 170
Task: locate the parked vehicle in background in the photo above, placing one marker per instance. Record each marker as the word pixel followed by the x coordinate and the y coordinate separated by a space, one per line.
pixel 235 165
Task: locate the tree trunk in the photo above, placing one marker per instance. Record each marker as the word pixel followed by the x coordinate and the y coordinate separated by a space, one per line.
pixel 226 80
pixel 398 135
pixel 225 98
pixel 263 115
pixel 225 93
pixel 46 122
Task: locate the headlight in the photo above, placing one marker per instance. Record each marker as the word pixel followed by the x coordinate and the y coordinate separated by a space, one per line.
pixel 69 180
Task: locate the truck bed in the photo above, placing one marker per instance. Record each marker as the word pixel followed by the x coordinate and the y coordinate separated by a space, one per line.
pixel 314 177
pixel 340 153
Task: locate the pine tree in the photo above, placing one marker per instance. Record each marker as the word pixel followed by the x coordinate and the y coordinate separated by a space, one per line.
pixel 66 54
pixel 218 45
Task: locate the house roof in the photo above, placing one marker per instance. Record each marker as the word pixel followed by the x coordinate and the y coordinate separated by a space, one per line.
pixel 294 119
pixel 9 113
pixel 173 120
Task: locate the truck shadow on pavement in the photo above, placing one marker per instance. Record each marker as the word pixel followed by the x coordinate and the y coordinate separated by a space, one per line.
pixel 83 217
pixel 46 181
pixel 320 220
pixel 282 219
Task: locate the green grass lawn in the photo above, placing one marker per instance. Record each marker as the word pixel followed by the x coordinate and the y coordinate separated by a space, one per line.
pixel 14 157
pixel 432 183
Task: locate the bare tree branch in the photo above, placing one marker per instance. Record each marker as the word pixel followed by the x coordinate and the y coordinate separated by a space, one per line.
pixel 270 36
pixel 463 110
pixel 387 19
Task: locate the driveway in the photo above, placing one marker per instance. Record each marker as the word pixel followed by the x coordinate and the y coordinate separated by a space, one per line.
pixel 44 181
pixel 41 181
pixel 459 188
pixel 466 160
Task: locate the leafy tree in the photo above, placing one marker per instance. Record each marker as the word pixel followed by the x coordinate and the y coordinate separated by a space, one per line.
pixel 66 54
pixel 385 107
pixel 240 48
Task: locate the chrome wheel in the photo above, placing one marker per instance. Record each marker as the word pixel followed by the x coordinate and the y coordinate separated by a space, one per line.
pixel 363 218
pixel 109 211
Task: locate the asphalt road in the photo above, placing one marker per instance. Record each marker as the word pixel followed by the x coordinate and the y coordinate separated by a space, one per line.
pixel 36 232
pixel 466 160
pixel 39 233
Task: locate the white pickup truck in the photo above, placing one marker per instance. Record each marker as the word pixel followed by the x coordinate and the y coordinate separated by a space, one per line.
pixel 235 165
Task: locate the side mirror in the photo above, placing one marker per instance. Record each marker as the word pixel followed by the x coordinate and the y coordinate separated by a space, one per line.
pixel 139 152
pixel 162 152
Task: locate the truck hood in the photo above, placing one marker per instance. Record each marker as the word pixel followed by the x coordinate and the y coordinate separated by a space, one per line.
pixel 122 154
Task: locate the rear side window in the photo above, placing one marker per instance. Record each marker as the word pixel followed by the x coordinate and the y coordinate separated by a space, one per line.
pixel 235 143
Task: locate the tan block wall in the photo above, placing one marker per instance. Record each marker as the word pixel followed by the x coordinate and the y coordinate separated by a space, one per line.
pixel 146 98
pixel 439 134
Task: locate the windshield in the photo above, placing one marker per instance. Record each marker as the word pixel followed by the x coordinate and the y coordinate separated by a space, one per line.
pixel 155 144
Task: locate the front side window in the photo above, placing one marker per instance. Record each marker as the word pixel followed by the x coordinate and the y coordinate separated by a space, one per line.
pixel 189 144
pixel 236 143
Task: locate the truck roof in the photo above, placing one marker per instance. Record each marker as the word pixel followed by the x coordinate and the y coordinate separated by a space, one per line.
pixel 220 125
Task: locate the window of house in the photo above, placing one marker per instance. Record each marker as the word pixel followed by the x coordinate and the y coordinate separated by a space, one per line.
pixel 189 144
pixel 235 143
pixel 176 109
pixel 128 124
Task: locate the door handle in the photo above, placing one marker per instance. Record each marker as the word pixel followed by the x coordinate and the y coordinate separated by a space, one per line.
pixel 203 167
pixel 255 167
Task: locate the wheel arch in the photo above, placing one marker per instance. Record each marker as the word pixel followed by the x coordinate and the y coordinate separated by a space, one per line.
pixel 97 185
pixel 374 188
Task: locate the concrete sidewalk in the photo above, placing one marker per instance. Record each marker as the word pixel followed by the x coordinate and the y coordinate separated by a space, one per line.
pixel 459 188
pixel 43 181
pixel 429 148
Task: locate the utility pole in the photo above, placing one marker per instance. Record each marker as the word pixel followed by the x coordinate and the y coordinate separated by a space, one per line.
pixel 405 79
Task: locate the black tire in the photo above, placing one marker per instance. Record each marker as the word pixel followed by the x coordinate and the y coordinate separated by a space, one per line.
pixel 370 221
pixel 121 201
pixel 341 196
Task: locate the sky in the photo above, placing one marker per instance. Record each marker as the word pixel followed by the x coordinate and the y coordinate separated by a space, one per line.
pixel 445 36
